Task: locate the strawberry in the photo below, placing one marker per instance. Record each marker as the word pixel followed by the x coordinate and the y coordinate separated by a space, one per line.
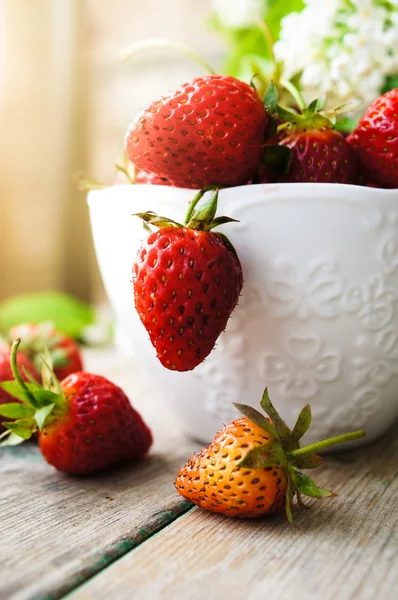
pixel 187 281
pixel 210 131
pixel 150 179
pixel 64 351
pixel 318 153
pixel 253 466
pixel 86 423
pixel 375 140
pixel 6 372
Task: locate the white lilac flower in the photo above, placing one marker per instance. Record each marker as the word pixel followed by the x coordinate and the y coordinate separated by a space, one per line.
pixel 344 48
pixel 238 13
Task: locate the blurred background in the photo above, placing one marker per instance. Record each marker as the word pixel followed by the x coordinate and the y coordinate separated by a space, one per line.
pixel 66 98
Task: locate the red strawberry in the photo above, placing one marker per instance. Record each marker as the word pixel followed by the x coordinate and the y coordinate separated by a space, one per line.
pixel 375 140
pixel 86 423
pixel 6 373
pixel 210 131
pixel 187 281
pixel 150 179
pixel 64 351
pixel 253 466
pixel 319 155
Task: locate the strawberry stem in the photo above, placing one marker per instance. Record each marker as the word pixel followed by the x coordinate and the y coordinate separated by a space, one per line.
pixel 16 373
pixel 196 199
pixel 317 446
pixel 164 43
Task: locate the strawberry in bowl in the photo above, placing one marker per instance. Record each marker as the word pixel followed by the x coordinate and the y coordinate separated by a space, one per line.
pixel 316 317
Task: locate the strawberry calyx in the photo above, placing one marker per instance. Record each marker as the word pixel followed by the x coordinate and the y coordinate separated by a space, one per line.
pixel 38 404
pixel 202 219
pixel 35 338
pixel 285 450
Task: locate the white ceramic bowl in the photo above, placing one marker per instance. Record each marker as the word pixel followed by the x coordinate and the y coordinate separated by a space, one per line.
pixel 317 321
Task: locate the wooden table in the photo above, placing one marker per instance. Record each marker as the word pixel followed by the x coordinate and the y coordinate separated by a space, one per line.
pixel 128 535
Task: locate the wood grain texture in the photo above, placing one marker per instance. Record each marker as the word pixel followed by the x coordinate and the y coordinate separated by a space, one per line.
pixel 345 548
pixel 56 531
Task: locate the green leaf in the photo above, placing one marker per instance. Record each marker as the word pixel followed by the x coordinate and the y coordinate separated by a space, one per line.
pixel 262 457
pixel 221 221
pixel 284 433
pixel 257 418
pixel 23 427
pixel 303 422
pixel 307 486
pixel 15 410
pixel 16 391
pixel 153 219
pixel 287 115
pixel 271 97
pixel 312 108
pixel 277 158
pixel 307 461
pixel 42 414
pixel 68 314
pixel 12 439
pixel 204 216
pixel 45 397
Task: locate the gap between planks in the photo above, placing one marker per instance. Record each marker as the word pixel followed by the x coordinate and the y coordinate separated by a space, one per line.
pixel 345 548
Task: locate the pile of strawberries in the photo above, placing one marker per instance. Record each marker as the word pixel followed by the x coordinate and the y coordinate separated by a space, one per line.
pixel 211 133
pixel 217 131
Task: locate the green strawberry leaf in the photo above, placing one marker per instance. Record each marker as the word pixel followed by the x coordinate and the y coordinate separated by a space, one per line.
pixel 153 219
pixel 312 108
pixel 16 391
pixel 23 427
pixel 287 115
pixel 203 218
pixel 284 432
pixel 221 221
pixel 45 398
pixel 257 418
pixel 307 461
pixel 303 422
pixel 271 98
pixel 15 410
pixel 42 414
pixel 307 486
pixel 10 439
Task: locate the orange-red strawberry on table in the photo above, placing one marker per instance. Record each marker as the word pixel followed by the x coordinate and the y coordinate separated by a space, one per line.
pixel 24 364
pixel 187 281
pixel 254 465
pixel 85 423
pixel 37 337
pixel 375 140
pixel 210 131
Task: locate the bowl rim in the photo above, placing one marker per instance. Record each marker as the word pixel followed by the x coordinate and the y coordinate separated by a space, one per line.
pixel 94 197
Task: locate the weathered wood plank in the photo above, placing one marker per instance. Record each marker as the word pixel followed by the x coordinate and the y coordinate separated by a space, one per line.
pixel 56 531
pixel 345 548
